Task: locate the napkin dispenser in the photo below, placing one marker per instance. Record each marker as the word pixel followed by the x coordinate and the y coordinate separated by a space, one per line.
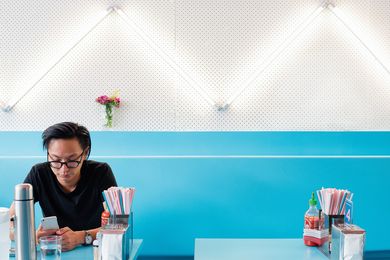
pixel 117 238
pixel 347 242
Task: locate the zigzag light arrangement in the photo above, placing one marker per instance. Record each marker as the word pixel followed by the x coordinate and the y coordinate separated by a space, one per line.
pixel 142 34
pixel 327 4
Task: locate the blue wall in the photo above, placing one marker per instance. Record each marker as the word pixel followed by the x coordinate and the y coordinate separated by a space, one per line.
pixel 179 199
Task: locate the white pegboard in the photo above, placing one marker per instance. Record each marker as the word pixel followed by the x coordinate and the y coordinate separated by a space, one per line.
pixel 324 81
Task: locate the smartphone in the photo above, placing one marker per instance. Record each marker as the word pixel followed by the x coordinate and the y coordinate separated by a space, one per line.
pixel 49 223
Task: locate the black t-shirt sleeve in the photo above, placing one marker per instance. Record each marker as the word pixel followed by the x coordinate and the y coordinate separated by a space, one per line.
pixel 31 178
pixel 107 180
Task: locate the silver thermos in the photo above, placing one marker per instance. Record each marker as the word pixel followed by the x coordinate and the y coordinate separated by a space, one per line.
pixel 25 248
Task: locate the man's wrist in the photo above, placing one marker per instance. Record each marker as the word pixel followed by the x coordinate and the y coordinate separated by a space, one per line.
pixel 87 237
pixel 81 235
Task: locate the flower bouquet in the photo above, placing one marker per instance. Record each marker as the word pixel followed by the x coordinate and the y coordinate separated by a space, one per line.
pixel 109 103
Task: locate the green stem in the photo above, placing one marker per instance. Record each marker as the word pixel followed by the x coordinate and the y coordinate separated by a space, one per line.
pixel 109 115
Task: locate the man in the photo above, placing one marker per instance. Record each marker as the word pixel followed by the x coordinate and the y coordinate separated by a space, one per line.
pixel 69 186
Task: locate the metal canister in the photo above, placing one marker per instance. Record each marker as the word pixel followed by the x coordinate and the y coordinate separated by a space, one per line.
pixel 25 247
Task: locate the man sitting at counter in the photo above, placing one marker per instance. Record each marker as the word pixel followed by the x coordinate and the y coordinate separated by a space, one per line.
pixel 69 185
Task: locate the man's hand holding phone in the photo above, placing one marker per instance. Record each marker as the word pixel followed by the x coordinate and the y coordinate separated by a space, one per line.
pixel 48 226
pixel 49 223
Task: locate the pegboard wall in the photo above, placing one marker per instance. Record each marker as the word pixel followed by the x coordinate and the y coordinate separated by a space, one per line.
pixel 324 80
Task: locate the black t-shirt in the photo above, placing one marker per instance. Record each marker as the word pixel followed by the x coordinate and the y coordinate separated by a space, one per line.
pixel 80 209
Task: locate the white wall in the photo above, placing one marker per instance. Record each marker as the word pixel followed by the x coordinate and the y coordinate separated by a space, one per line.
pixel 325 80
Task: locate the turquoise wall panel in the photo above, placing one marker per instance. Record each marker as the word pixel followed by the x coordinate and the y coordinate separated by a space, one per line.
pixel 182 198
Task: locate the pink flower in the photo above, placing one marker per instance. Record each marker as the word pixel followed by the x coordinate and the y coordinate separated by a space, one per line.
pixel 103 99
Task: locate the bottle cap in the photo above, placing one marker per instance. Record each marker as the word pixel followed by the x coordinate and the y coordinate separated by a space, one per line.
pixel 24 191
pixel 312 200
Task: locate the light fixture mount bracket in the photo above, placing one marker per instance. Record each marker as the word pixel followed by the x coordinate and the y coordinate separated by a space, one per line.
pixel 327 3
pixel 5 108
pixel 222 106
pixel 113 8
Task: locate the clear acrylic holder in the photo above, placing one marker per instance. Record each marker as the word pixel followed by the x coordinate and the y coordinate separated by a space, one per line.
pixel 121 224
pixel 330 220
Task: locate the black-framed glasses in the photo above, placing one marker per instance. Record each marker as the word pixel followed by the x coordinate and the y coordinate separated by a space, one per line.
pixel 70 164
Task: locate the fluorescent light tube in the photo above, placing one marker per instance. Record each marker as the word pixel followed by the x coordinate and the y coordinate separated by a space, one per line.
pixel 171 62
pixel 340 16
pixel 24 92
pixel 275 53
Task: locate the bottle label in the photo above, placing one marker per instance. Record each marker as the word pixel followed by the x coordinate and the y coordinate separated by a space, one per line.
pixel 311 222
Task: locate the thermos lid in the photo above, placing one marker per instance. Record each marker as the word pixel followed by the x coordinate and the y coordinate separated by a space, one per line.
pixel 24 191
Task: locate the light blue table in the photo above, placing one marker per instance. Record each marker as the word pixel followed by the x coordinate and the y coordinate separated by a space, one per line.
pixel 86 252
pixel 248 249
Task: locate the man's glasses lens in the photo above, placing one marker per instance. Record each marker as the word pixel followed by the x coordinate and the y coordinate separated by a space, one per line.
pixel 69 164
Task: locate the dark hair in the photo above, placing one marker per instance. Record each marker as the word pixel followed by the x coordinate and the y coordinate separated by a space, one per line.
pixel 67 130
